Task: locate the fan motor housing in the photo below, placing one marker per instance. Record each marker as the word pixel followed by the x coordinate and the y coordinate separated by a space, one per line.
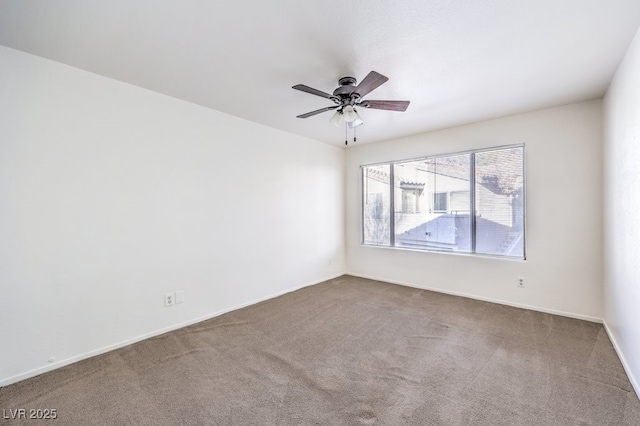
pixel 347 84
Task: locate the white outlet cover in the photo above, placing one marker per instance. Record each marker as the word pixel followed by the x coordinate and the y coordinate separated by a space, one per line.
pixel 169 299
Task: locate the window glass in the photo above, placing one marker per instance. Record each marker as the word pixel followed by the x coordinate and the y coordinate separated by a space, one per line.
pixel 467 202
pixel 432 203
pixel 499 202
pixel 376 205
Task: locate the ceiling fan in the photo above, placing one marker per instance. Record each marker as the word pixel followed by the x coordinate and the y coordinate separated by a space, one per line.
pixel 348 96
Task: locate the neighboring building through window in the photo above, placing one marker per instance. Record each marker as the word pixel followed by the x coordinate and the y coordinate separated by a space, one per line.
pixel 468 202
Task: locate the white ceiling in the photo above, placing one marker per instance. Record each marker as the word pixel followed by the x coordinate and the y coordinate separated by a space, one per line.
pixel 456 61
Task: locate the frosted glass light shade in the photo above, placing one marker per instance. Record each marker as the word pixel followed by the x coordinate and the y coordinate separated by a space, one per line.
pixel 346 115
pixel 350 114
pixel 355 123
pixel 337 119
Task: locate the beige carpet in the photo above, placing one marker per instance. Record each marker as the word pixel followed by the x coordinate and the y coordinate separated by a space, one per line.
pixel 345 352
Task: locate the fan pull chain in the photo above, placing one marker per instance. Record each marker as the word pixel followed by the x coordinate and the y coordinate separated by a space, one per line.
pixel 354 134
pixel 346 135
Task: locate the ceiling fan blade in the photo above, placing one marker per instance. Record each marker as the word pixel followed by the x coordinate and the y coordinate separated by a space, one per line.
pixel 386 105
pixel 313 91
pixel 318 111
pixel 372 81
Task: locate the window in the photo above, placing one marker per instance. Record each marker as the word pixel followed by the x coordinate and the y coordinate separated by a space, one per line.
pixel 440 202
pixel 467 202
pixel 376 205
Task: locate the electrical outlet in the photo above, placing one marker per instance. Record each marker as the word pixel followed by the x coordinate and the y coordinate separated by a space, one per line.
pixel 169 299
pixel 179 297
pixel 520 282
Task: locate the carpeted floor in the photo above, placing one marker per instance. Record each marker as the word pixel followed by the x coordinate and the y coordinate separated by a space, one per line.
pixel 345 352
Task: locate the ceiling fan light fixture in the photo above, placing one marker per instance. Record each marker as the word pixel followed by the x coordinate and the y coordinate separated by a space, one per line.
pixel 337 119
pixel 350 114
pixel 355 123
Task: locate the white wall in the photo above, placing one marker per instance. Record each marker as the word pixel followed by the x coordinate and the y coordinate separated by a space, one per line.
pixel 622 211
pixel 563 271
pixel 111 195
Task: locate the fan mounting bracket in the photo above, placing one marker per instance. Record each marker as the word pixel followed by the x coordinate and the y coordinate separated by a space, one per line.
pixel 350 81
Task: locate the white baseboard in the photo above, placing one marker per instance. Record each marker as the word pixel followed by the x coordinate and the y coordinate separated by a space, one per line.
pixel 484 299
pixel 62 363
pixel 623 360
